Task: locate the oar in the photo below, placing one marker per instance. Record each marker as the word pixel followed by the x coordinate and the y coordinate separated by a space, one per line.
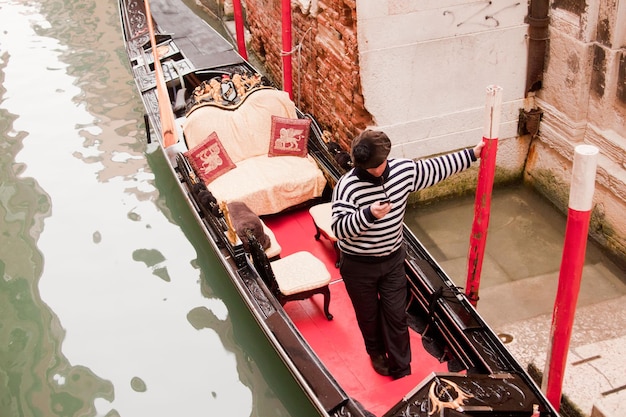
pixel 165 107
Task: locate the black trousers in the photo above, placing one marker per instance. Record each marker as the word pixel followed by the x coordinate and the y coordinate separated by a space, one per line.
pixel 378 293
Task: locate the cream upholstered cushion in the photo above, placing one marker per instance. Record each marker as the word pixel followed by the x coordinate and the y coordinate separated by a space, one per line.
pixel 275 248
pixel 245 133
pixel 321 214
pixel 266 184
pixel 270 185
pixel 300 271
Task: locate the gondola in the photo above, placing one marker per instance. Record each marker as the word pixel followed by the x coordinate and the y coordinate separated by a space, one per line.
pixel 257 174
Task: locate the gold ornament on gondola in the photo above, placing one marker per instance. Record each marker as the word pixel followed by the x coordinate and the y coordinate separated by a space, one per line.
pixel 452 391
pixel 230 233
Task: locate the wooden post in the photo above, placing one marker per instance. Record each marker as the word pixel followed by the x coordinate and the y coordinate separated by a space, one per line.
pixel 239 29
pixel 572 262
pixel 482 204
pixel 286 53
pixel 168 128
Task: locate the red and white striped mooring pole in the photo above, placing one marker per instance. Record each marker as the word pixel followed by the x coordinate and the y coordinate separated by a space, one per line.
pixel 572 262
pixel 482 205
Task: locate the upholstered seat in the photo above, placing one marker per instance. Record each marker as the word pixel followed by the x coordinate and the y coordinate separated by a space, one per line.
pixel 294 277
pixel 268 184
pixel 321 214
pixel 299 272
pixel 274 250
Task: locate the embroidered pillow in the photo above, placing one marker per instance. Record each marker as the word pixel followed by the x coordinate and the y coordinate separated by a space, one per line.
pixel 289 136
pixel 209 159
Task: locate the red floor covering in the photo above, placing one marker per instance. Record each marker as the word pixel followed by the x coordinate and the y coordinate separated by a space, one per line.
pixel 338 343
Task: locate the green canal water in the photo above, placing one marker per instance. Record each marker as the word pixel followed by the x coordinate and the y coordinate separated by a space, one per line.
pixel 111 303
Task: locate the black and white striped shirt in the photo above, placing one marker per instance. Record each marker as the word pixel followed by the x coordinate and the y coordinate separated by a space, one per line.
pixel 358 231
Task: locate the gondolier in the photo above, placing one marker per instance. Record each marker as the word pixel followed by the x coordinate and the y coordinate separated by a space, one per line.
pixel 368 209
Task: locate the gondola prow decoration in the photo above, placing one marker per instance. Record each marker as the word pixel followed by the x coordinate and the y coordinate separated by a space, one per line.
pixel 453 396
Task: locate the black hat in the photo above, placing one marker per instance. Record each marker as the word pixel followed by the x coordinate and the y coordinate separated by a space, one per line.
pixel 370 149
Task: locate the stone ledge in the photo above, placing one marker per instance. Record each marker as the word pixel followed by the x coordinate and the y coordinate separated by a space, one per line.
pixel 594 365
pixel 593 381
pixel 612 406
pixel 568 408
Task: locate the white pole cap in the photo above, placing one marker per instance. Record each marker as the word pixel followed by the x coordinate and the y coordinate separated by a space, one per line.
pixel 493 110
pixel 583 177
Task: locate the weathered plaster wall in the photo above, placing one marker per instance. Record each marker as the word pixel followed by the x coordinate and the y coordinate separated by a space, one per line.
pixel 584 101
pixel 433 60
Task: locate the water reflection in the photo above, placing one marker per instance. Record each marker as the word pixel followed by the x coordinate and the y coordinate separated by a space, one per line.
pixel 105 306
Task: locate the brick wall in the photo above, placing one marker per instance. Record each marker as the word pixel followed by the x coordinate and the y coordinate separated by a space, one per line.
pixel 326 80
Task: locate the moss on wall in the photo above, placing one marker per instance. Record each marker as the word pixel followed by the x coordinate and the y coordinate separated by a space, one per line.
pixel 549 173
pixel 463 184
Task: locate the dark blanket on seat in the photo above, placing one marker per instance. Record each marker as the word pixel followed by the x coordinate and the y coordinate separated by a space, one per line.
pixel 243 219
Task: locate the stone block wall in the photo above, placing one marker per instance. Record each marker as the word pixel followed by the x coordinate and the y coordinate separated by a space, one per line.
pixel 326 80
pixel 584 101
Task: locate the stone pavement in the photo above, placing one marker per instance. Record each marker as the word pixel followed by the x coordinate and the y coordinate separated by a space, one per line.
pixel 518 288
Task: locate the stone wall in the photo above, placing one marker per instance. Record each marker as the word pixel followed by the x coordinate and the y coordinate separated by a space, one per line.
pixel 326 80
pixel 584 101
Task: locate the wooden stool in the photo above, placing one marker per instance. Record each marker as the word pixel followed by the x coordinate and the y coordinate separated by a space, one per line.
pixel 321 215
pixel 297 276
pixel 301 275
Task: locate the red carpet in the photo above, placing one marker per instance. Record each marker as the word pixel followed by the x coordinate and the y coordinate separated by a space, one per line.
pixel 338 343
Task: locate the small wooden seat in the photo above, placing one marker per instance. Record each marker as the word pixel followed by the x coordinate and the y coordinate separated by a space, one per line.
pixel 321 214
pixel 294 277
